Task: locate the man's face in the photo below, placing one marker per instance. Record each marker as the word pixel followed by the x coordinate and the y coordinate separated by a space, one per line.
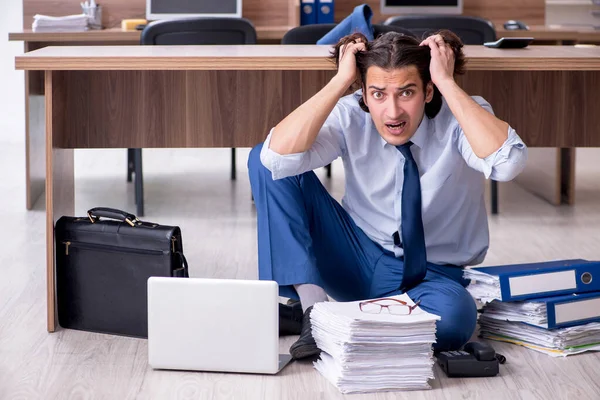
pixel 396 101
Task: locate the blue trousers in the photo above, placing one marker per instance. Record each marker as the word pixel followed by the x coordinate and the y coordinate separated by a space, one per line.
pixel 306 236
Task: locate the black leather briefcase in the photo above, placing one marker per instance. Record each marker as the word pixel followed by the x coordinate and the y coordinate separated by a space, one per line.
pixel 103 262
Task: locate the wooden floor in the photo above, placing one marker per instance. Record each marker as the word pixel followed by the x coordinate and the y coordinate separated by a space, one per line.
pixel 191 188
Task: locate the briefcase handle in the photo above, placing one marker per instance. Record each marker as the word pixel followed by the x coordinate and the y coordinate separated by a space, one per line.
pixel 94 215
pixel 183 271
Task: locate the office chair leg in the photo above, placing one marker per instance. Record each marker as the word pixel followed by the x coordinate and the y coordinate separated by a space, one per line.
pixel 130 164
pixel 494 197
pixel 139 182
pixel 233 168
pixel 328 168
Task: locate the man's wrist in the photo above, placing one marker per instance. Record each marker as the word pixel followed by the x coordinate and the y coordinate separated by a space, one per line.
pixel 342 82
pixel 446 85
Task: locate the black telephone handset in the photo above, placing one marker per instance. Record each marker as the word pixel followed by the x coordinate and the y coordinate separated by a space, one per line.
pixel 481 351
pixel 475 359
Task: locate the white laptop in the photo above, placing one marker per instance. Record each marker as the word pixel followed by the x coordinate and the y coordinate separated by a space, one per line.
pixel 226 325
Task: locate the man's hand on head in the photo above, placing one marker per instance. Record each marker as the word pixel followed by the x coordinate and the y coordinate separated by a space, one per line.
pixel 441 67
pixel 347 62
pixel 484 132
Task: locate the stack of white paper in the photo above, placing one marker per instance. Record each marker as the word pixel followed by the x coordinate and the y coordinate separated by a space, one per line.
pixel 69 23
pixel 365 352
pixel 555 342
pixel 483 287
pixel 531 312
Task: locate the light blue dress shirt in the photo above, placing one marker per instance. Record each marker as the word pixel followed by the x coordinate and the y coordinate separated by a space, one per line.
pixel 452 184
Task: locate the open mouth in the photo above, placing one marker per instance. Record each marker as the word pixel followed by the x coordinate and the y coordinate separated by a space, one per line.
pixel 396 128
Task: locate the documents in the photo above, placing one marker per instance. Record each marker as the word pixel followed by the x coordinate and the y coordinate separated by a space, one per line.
pixel 69 23
pixel 555 342
pixel 549 312
pixel 518 282
pixel 483 287
pixel 552 306
pixel 365 352
pixel 531 312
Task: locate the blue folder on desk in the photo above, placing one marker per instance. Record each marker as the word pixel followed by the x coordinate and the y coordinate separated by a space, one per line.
pixel 535 280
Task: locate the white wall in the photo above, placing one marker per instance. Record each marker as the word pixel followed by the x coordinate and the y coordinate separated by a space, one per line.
pixel 571 12
pixel 12 106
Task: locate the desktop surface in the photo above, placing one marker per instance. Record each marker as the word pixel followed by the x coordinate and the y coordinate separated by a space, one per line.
pixel 282 57
pixel 266 34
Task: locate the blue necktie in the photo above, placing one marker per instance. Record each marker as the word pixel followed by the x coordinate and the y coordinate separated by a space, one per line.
pixel 413 236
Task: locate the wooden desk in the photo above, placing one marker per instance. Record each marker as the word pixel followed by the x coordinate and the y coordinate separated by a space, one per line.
pixel 34 82
pixel 34 88
pixel 265 35
pixel 136 96
pixel 274 34
pixel 555 34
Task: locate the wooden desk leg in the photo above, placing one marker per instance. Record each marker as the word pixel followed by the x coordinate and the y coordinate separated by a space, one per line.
pixel 60 181
pixel 35 135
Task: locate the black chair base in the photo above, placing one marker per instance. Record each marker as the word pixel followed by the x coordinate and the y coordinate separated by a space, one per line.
pixel 134 168
pixel 494 197
pixel 130 166
pixel 233 166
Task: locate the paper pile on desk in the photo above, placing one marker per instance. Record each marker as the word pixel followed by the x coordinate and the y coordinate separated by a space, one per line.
pixel 555 342
pixel 364 352
pixel 69 23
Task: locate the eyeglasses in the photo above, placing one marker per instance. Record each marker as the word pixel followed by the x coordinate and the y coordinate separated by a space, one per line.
pixel 397 307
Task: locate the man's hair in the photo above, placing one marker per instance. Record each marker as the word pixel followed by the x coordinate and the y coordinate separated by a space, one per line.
pixel 394 50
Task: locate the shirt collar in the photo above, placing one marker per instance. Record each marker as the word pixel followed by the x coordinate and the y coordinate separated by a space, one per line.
pixel 420 136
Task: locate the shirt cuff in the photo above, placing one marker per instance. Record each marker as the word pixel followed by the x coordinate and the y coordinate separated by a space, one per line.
pixel 502 155
pixel 281 166
pixel 267 156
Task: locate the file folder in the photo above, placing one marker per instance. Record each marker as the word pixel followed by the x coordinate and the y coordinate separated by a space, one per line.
pixel 548 312
pixel 536 280
pixel 325 12
pixel 570 310
pixel 559 342
pixel 308 12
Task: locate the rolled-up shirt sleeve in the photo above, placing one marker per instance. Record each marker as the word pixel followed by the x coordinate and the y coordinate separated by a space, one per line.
pixel 505 163
pixel 329 145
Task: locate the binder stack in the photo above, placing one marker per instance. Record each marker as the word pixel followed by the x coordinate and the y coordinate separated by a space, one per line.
pixel 325 12
pixel 308 12
pixel 316 12
pixel 552 307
